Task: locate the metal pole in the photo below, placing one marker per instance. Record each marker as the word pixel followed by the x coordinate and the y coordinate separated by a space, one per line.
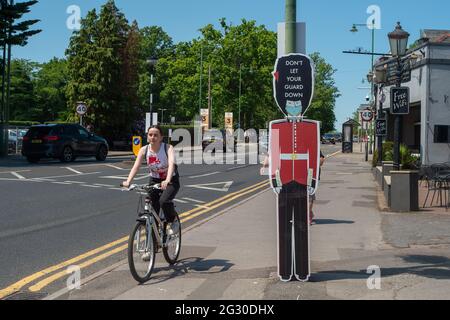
pixel 209 99
pixel 291 22
pixel 372 84
pixel 151 100
pixel 240 92
pixel 397 123
pixel 201 78
pixel 380 138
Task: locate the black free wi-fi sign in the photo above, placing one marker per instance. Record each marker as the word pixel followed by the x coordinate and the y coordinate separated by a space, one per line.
pixel 400 100
pixel 293 83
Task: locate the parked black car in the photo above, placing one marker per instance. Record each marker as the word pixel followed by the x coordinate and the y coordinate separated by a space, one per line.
pixel 62 141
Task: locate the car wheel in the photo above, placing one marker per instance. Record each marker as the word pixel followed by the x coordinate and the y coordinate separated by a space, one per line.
pixel 67 155
pixel 101 153
pixel 33 159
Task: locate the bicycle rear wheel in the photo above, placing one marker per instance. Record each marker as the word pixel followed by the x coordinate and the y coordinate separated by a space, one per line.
pixel 141 252
pixel 171 250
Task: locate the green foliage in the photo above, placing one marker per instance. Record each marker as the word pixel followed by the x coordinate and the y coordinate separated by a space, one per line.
pixel 407 160
pixel 11 31
pixel 38 90
pixel 102 58
pixel 21 96
pixel 107 69
pixel 325 94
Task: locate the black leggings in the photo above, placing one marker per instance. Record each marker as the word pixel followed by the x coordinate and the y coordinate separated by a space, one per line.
pixel 164 200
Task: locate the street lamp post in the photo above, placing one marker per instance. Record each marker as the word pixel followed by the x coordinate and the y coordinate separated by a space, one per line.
pixel 379 79
pixel 240 93
pixel 152 62
pixel 372 54
pixel 398 40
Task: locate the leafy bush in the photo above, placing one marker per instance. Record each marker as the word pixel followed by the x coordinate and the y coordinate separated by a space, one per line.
pixel 407 160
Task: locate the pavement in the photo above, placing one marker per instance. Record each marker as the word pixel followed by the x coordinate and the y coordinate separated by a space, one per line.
pixel 233 255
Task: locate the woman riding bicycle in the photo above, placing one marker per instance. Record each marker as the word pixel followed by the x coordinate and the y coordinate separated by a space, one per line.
pixel 160 158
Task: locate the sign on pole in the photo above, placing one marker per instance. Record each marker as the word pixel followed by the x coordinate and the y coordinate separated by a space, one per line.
pixel 81 110
pixel 381 128
pixel 293 82
pixel 400 100
pixel 137 145
pixel 205 118
pixel 228 120
pixel 367 115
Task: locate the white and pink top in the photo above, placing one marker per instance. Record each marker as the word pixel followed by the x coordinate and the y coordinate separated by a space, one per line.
pixel 158 163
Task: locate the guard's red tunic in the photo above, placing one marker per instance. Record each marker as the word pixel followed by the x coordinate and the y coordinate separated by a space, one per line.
pixel 295 152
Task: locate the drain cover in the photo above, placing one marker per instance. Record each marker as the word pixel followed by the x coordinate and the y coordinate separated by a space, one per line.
pixel 26 295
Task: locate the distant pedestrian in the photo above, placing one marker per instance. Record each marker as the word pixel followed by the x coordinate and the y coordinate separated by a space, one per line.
pixel 312 198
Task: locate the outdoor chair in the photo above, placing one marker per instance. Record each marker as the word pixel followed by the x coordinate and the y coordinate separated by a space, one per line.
pixel 437 177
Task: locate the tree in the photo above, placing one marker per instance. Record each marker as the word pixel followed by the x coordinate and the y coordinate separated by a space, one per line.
pixel 49 87
pixel 11 33
pixel 154 43
pixel 325 94
pixel 100 70
pixel 21 96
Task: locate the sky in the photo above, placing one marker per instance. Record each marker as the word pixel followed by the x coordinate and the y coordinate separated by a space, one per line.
pixel 328 29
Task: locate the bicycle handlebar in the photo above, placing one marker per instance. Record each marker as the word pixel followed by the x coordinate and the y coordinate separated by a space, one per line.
pixel 143 187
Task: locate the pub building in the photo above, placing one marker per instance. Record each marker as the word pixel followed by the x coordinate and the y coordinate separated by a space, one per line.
pixel 426 72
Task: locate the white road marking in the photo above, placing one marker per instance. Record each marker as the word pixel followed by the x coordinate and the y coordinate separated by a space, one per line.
pixel 18 176
pixel 125 177
pixel 203 207
pixel 65 183
pixel 90 186
pixel 119 189
pixel 73 170
pixel 193 200
pixel 115 167
pixel 180 201
pixel 225 186
pixel 343 173
pixel 77 182
pixel 69 175
pixel 104 185
pixel 204 175
pixel 42 180
pixel 15 171
pixel 239 167
pixel 21 180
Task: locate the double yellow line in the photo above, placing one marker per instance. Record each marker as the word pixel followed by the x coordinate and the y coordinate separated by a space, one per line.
pixel 186 216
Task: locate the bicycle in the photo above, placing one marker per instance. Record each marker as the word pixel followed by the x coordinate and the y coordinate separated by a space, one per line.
pixel 142 248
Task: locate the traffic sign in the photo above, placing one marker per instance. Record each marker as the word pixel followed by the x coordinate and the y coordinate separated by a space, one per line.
pixel 82 109
pixel 400 100
pixel 293 83
pixel 137 145
pixel 367 115
pixel 228 120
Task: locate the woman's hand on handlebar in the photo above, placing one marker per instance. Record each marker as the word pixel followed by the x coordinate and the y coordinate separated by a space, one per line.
pixel 164 184
pixel 125 184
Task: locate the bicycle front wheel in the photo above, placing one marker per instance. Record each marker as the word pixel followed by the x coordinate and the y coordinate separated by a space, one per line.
pixel 141 252
pixel 172 247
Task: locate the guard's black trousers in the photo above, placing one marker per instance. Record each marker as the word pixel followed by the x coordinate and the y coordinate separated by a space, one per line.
pixel 293 209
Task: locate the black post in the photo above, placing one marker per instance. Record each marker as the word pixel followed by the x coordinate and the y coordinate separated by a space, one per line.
pixel 380 138
pixel 397 124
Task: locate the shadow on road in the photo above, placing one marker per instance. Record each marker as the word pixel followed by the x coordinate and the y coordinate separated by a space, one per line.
pixel 331 221
pixel 190 265
pixel 433 267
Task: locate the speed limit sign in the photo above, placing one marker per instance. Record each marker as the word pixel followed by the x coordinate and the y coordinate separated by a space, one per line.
pixel 81 109
pixel 367 115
